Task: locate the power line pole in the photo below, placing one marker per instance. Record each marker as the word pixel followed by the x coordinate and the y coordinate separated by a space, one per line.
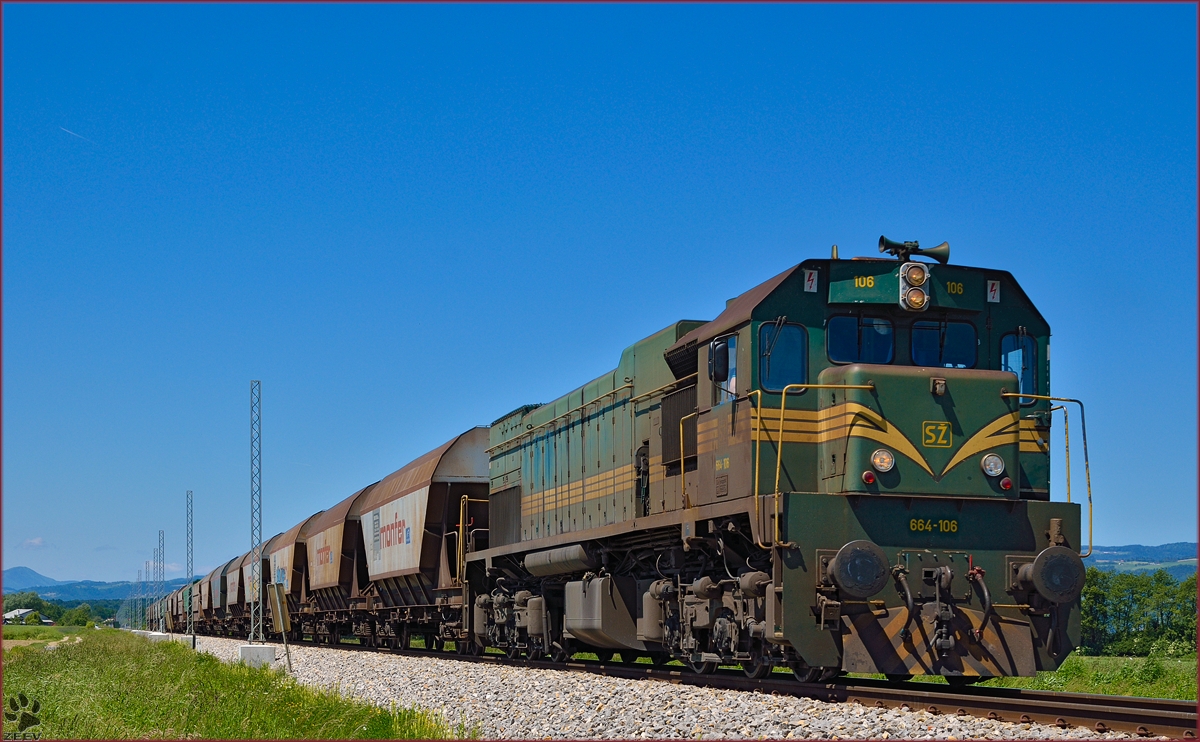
pixel 191 630
pixel 145 596
pixel 137 599
pixel 256 630
pixel 159 588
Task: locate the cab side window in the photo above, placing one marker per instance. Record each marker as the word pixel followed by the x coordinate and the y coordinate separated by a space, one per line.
pixel 1018 353
pixel 782 356
pixel 859 340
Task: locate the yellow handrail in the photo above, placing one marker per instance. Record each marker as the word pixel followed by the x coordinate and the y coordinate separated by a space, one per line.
pixel 677 382
pixel 757 460
pixel 462 535
pixel 1087 468
pixel 683 469
pixel 779 446
pixel 1067 439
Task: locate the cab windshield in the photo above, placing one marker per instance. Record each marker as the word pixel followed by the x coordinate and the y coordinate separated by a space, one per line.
pixel 944 344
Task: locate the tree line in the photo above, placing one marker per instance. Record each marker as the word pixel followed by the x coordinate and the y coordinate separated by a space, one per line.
pixel 63 612
pixel 1138 613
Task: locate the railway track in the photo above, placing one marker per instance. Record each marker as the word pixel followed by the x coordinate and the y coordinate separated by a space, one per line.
pixel 1146 717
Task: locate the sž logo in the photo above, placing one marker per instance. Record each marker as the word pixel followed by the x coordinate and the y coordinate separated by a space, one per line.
pixel 25 714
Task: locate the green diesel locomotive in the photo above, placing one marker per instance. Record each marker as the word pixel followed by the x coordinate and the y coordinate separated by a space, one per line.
pixel 846 471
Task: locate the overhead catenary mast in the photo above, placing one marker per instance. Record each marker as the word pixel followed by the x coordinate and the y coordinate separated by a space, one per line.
pixel 145 596
pixel 160 587
pixel 191 629
pixel 256 630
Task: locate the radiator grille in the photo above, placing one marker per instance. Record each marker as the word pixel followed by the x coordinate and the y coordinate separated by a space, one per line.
pixel 504 517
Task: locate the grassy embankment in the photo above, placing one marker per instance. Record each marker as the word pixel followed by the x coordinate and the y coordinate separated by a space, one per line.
pixel 1147 677
pixel 114 685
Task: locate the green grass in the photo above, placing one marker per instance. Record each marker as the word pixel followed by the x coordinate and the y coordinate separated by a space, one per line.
pixel 1147 677
pixel 47 633
pixel 114 685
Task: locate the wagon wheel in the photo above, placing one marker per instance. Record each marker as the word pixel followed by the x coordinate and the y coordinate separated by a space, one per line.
pixel 658 659
pixel 513 652
pixel 605 655
pixel 806 674
pixel 559 653
pixel 702 668
pixel 470 648
pixel 431 642
pixel 899 677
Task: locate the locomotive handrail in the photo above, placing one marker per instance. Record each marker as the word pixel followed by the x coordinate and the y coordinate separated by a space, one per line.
pixel 779 447
pixel 664 387
pixel 1067 438
pixel 1087 468
pixel 462 535
pixel 757 460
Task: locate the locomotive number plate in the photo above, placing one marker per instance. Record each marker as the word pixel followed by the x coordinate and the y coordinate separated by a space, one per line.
pixel 927 524
pixel 936 434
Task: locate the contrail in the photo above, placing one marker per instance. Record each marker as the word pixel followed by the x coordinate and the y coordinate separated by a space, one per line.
pixel 78 135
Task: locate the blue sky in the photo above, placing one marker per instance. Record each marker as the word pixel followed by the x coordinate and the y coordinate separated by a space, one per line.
pixel 408 220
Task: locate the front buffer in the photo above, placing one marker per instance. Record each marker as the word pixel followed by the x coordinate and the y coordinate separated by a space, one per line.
pixel 960 587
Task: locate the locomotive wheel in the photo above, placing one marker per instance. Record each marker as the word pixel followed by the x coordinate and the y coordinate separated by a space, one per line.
pixel 806 674
pixel 757 668
pixel 899 678
pixel 829 673
pixel 558 653
pixel 605 656
pixel 658 659
pixel 513 652
pixel 702 668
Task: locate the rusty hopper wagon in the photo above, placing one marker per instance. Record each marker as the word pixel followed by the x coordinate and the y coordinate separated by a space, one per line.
pixel 848 470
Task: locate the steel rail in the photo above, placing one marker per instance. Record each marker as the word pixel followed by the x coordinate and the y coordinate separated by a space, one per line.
pixel 1145 717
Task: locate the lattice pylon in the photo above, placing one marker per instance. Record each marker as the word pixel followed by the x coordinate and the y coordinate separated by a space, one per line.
pixel 255 582
pixel 187 605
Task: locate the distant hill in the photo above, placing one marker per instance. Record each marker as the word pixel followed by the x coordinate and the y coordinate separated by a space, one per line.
pixel 50 589
pixel 1177 559
pixel 1138 553
pixel 23 578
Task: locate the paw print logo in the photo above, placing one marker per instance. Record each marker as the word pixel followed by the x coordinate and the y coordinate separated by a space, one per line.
pixel 21 711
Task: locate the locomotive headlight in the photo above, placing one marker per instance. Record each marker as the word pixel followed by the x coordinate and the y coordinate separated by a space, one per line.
pixel 883 460
pixel 860 569
pixel 992 465
pixel 915 298
pixel 915 275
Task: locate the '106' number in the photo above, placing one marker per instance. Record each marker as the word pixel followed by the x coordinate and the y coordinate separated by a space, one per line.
pixel 942 526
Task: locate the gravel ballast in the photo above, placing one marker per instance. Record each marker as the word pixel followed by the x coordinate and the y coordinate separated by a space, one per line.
pixel 521 703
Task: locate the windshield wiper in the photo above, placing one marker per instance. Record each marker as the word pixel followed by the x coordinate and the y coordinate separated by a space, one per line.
pixel 775 339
